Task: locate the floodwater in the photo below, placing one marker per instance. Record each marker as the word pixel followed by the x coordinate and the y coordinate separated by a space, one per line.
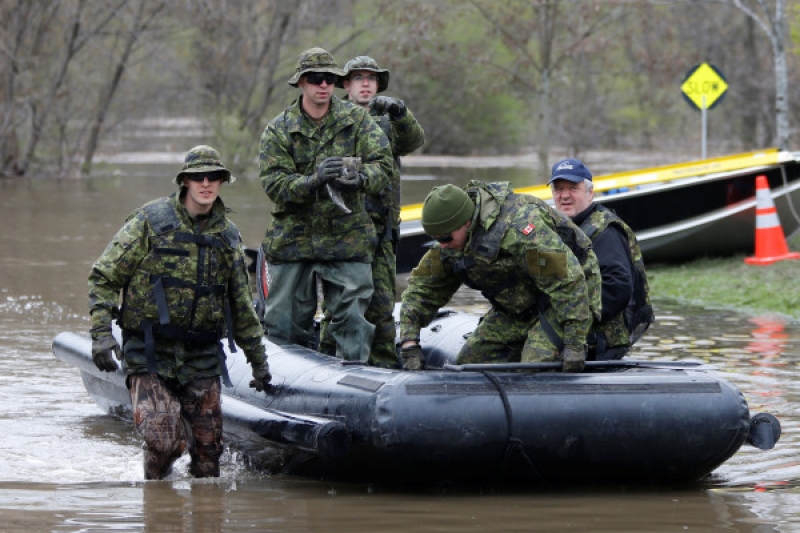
pixel 68 467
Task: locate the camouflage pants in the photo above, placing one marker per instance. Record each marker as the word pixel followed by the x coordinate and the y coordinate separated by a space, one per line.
pixel 379 313
pixel 170 417
pixel 503 338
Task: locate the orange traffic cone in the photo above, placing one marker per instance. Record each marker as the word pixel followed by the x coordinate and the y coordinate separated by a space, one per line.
pixel 770 241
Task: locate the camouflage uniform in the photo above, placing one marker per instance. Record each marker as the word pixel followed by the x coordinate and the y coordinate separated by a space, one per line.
pixel 405 135
pixel 185 286
pixel 516 258
pixel 610 338
pixel 309 235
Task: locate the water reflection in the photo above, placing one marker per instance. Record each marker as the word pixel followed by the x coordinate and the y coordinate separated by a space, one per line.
pixel 69 467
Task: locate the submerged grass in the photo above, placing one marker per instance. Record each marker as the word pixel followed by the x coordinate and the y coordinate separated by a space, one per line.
pixel 729 283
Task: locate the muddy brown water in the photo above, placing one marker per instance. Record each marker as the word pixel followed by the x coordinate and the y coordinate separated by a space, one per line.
pixel 68 467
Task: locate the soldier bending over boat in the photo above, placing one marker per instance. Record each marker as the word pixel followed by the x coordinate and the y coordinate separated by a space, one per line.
pixel 534 266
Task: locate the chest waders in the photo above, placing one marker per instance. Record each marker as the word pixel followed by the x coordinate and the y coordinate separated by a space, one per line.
pixel 164 220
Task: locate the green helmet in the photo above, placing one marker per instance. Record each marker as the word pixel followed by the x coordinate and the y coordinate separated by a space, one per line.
pixel 366 63
pixel 315 60
pixel 203 159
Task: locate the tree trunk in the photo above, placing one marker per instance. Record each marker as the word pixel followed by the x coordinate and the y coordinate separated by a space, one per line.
pixel 139 26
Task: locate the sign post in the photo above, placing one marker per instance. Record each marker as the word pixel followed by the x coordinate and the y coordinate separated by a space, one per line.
pixel 704 87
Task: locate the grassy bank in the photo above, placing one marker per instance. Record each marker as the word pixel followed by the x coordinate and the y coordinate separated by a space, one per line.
pixel 729 283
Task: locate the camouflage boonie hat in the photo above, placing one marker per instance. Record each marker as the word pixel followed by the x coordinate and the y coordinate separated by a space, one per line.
pixel 365 63
pixel 203 159
pixel 315 60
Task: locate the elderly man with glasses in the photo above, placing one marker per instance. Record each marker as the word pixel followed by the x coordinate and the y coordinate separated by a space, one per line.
pixel 320 229
pixel 531 262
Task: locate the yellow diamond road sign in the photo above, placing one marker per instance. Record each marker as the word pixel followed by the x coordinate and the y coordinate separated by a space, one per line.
pixel 704 80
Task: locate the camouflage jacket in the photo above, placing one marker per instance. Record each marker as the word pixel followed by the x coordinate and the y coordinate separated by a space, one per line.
pixel 200 274
pixel 306 224
pixel 515 257
pixel 405 135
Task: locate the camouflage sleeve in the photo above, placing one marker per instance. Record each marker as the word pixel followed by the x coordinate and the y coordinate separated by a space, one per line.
pixel 247 329
pixel 278 173
pixel 111 272
pixel 407 135
pixel 430 286
pixel 372 146
pixel 558 274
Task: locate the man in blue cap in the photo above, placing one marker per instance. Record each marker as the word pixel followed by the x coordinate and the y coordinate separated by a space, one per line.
pixel 624 285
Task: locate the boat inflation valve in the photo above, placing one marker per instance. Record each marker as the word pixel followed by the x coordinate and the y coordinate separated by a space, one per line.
pixel 765 430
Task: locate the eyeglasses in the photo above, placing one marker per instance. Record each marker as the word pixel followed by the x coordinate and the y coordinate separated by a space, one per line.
pixel 199 178
pixel 444 238
pixel 360 78
pixel 316 78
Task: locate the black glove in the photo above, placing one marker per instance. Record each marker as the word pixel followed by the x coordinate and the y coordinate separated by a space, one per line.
pixel 101 353
pixel 412 357
pixel 329 169
pixel 261 376
pixel 574 358
pixel 349 181
pixel 386 104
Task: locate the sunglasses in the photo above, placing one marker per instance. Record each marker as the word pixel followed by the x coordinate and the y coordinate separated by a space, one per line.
pixel 198 178
pixel 444 238
pixel 316 78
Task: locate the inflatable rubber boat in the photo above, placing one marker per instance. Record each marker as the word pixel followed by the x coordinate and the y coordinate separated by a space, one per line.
pixel 616 421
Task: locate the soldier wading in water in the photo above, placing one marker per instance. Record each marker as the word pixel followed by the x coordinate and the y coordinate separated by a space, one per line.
pixel 179 264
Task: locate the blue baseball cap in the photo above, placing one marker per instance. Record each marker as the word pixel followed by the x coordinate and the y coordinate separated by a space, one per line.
pixel 571 170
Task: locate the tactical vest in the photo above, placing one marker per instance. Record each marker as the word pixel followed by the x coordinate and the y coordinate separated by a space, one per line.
pixel 179 289
pixel 496 274
pixel 630 324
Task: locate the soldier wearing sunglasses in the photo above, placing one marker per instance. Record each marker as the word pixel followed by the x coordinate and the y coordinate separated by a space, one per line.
pixel 363 80
pixel 310 236
pixel 530 261
pixel 179 265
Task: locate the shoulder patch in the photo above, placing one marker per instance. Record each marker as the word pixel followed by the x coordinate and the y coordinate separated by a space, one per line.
pixel 527 230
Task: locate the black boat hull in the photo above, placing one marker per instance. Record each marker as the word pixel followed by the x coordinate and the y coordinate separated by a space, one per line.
pixel 362 423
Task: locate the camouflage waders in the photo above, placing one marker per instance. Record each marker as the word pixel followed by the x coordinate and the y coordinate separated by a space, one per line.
pixel 165 412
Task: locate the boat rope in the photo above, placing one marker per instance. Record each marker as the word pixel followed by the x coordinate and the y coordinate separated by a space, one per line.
pixel 789 199
pixel 513 443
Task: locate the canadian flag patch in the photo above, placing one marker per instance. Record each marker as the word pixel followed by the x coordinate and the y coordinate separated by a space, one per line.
pixel 528 229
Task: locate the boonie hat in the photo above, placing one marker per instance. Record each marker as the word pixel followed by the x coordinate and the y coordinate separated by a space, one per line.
pixel 571 170
pixel 365 63
pixel 446 208
pixel 315 60
pixel 203 159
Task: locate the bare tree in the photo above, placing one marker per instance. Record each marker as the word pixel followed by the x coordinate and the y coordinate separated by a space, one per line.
pixel 542 37
pixel 142 18
pixel 771 18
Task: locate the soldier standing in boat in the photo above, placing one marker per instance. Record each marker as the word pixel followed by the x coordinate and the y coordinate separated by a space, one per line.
pixel 363 80
pixel 533 265
pixel 179 264
pixel 320 228
pixel 626 310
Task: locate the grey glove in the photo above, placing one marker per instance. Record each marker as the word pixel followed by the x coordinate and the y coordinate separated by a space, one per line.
pixel 349 181
pixel 329 169
pixel 386 104
pixel 101 353
pixel 412 357
pixel 574 357
pixel 261 376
